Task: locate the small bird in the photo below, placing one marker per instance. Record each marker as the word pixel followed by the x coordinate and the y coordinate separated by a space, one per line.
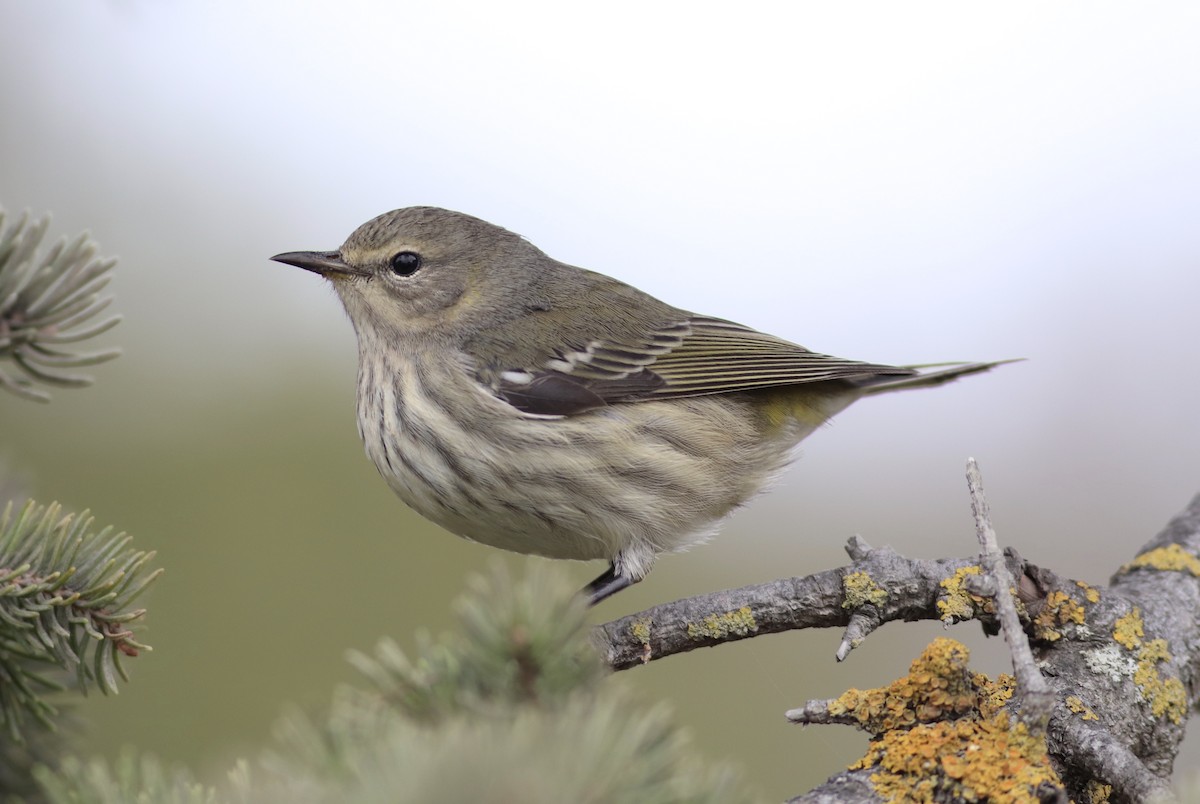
pixel 542 408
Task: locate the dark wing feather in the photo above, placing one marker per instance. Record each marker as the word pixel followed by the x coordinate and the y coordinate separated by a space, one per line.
pixel 721 356
pixel 695 356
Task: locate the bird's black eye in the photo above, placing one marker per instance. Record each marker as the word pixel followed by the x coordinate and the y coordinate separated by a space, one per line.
pixel 406 263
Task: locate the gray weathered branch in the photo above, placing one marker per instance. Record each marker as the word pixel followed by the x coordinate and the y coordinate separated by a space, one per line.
pixel 1122 664
pixel 879 587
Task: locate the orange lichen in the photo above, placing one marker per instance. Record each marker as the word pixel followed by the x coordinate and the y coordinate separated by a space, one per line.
pixel 640 629
pixel 938 685
pixel 1165 695
pixel 957 603
pixel 717 626
pixel 1128 630
pixel 962 760
pixel 1058 610
pixel 941 733
pixel 1171 558
pixel 1097 792
pixel 994 694
pixel 1076 705
pixel 1090 592
pixel 859 589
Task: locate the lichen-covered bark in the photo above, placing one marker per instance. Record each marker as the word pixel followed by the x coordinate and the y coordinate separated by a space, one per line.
pixel 879 587
pixel 1121 663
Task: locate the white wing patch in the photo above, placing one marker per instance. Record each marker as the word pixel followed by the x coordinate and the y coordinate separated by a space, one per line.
pixel 517 377
pixel 567 361
pixel 605 360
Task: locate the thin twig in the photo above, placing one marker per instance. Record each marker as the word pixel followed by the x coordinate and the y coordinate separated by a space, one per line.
pixel 1037 699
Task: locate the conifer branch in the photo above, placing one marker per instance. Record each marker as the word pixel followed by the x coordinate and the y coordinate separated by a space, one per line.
pixel 66 595
pixel 47 301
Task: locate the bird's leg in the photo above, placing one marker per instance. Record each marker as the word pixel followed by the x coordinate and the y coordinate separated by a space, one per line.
pixel 609 583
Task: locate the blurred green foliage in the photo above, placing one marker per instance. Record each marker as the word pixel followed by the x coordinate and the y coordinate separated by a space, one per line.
pixel 513 707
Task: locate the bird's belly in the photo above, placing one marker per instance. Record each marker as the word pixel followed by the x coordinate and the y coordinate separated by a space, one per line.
pixel 654 475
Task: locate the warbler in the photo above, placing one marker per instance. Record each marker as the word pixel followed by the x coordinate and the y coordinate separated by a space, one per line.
pixel 542 408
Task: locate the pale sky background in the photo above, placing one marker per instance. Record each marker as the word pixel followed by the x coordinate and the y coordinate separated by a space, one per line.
pixel 888 182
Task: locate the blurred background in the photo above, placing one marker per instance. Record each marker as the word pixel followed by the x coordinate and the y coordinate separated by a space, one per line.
pixel 892 183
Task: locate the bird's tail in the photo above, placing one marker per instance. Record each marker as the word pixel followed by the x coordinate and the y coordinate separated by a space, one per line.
pixel 927 375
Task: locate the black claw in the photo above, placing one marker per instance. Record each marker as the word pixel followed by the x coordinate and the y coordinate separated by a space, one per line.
pixel 607 585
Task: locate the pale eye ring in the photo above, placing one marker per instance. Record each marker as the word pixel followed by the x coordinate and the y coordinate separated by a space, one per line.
pixel 405 263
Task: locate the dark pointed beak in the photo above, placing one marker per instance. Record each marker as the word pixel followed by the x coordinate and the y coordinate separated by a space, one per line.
pixel 324 263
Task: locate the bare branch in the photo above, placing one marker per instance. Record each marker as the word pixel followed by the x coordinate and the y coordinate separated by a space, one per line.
pixel 819 713
pixel 879 587
pixel 1036 698
pixel 1119 665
